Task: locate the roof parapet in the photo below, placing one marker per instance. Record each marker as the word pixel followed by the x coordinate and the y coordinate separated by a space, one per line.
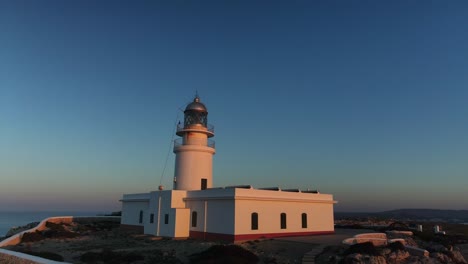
pixel 311 191
pixel 239 186
pixel 270 188
pixel 291 190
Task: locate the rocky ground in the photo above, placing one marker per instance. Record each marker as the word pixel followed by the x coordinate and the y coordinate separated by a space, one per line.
pixel 442 250
pixel 107 243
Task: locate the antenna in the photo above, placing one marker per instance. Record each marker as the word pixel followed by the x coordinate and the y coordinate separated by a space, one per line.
pixel 170 146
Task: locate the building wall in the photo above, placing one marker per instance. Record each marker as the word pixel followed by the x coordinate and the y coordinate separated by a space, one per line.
pixel 226 213
pixel 319 217
pixel 163 204
pixel 213 215
pixel 152 223
pixel 182 222
pixel 177 198
pixel 269 205
pixel 197 211
pixel 131 212
pixel 220 216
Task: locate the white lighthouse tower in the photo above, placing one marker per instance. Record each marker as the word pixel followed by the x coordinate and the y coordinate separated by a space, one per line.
pixel 194 151
pixel 233 213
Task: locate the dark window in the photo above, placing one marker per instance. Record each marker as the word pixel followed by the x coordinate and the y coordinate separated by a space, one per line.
pixel 194 219
pixel 304 220
pixel 254 221
pixel 166 219
pixel 151 218
pixel 204 184
pixel 141 217
pixel 283 221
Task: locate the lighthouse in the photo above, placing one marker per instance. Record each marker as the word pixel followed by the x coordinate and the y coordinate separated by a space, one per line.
pixel 193 208
pixel 194 150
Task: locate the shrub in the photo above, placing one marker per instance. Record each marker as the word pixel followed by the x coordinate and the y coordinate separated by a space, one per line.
pixel 54 226
pixel 111 257
pixel 160 257
pixel 366 248
pixel 395 246
pixel 32 237
pixel 226 254
pixel 398 226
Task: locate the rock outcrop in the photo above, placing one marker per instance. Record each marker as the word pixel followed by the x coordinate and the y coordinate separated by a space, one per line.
pixel 15 230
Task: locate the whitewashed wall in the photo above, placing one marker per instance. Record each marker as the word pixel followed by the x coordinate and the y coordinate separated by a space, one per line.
pixel 270 204
pixel 168 202
pixel 132 204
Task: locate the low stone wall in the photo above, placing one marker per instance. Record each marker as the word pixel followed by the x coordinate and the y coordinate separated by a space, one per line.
pixel 377 239
pixel 401 240
pixel 380 239
pixel 12 257
pixel 372 235
pixel 396 232
pixel 414 251
pixel 359 240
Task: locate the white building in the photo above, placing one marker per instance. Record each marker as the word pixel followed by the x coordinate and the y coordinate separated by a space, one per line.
pixel 195 209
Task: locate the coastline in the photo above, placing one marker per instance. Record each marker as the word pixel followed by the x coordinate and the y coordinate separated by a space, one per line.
pixel 11 219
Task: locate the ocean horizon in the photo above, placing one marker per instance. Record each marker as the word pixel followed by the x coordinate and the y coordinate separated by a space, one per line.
pixel 9 219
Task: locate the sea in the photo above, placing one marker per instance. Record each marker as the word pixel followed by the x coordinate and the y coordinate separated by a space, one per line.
pixel 14 219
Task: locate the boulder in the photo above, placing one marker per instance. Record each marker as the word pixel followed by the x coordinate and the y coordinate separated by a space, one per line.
pixel 357 258
pixel 442 258
pixel 398 256
pixel 456 256
pixel 18 229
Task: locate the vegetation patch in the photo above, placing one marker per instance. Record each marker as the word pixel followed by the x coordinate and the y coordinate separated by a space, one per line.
pixel 163 257
pixel 101 226
pixel 32 237
pixel 366 248
pixel 226 254
pixel 108 256
pixel 395 246
pixel 58 231
pixel 44 254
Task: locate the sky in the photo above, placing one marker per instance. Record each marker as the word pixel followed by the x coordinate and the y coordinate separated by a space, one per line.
pixel 365 100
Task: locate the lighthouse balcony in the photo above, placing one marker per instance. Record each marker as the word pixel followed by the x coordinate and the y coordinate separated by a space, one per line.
pixel 182 129
pixel 207 143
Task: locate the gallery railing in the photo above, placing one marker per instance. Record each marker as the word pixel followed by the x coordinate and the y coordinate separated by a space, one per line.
pixel 203 142
pixel 181 127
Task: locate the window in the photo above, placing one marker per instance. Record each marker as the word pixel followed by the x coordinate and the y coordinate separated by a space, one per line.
pixel 166 219
pixel 283 221
pixel 151 218
pixel 194 219
pixel 141 217
pixel 304 220
pixel 254 221
pixel 204 184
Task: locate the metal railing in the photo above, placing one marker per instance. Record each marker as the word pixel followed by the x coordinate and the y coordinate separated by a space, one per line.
pixel 208 143
pixel 209 127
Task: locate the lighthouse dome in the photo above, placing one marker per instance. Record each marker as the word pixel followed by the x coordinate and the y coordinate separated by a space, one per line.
pixel 196 105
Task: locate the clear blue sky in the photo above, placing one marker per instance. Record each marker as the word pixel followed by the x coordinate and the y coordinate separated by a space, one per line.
pixel 366 100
